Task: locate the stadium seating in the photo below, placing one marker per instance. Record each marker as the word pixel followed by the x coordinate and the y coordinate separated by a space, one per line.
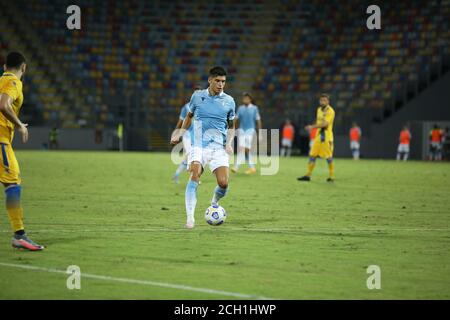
pixel 325 47
pixel 156 52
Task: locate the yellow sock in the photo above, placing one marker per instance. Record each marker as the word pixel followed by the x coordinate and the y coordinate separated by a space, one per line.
pixel 331 169
pixel 311 166
pixel 16 218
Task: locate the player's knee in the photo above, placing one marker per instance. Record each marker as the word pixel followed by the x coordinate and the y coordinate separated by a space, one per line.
pixel 196 171
pixel 223 183
pixel 195 175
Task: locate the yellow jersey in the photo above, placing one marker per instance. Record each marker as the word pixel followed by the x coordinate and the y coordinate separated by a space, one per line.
pixel 12 86
pixel 327 114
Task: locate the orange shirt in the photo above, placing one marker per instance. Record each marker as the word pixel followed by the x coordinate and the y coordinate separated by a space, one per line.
pixel 288 132
pixel 436 135
pixel 355 134
pixel 405 137
pixel 312 133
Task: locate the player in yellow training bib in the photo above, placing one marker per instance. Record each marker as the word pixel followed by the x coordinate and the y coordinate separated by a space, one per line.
pixel 323 142
pixel 11 99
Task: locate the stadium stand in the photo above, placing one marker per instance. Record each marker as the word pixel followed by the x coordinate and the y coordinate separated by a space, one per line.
pixel 138 61
pixel 364 71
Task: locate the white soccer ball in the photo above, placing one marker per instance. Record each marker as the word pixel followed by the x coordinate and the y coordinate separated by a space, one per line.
pixel 215 215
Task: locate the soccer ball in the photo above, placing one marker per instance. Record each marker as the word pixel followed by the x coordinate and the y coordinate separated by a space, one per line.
pixel 215 215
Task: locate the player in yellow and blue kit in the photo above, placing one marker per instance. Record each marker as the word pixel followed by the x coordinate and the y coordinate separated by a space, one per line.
pixel 11 99
pixel 323 142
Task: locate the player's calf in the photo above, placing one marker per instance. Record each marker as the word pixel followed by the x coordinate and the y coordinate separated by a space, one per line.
pixel 219 193
pixel 15 214
pixel 222 184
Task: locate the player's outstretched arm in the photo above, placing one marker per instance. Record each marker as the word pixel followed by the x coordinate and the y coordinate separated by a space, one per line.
pixel 259 124
pixel 179 124
pixel 177 128
pixel 230 136
pixel 236 122
pixel 7 110
pixel 176 135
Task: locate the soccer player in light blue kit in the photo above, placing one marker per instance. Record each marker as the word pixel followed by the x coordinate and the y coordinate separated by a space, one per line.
pixel 213 112
pixel 247 118
pixel 186 140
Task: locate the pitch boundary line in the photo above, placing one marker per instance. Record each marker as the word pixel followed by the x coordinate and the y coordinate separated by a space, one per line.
pixel 76 228
pixel 141 282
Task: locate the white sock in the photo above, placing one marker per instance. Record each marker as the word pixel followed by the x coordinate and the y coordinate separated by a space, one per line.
pixel 191 200
pixel 251 161
pixel 240 159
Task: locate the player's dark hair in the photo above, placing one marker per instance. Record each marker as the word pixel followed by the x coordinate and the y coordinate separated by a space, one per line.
pixel 14 60
pixel 325 95
pixel 217 71
pixel 246 94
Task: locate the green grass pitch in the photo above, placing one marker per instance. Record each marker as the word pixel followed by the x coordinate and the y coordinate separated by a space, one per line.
pixel 119 215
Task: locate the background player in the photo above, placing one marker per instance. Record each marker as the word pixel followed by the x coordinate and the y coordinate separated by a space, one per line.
pixel 355 140
pixel 213 111
pixel 403 146
pixel 11 99
pixel 436 143
pixel 287 138
pixel 247 120
pixel 53 138
pixel 323 143
pixel 186 140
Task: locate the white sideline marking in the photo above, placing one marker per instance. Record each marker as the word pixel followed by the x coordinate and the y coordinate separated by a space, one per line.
pixel 81 228
pixel 143 282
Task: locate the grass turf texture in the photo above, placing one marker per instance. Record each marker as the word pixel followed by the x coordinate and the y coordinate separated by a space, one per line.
pixel 120 215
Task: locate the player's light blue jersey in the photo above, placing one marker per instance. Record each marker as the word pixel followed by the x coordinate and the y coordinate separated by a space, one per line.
pixel 248 115
pixel 183 113
pixel 211 116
